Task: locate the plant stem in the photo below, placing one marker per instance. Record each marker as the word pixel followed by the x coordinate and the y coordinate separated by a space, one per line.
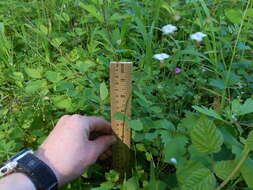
pixel 245 155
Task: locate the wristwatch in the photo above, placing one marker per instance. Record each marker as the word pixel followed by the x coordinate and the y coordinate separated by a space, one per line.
pixel 39 173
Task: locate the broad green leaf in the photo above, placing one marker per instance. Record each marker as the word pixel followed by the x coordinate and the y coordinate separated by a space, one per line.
pixel 53 76
pixel 206 138
pixel 201 179
pixel 103 91
pixel 246 108
pixel 246 171
pixel 186 170
pixel 224 168
pixel 208 112
pixel 164 124
pixel 235 16
pixel 35 86
pixel 189 121
pixel 174 148
pixel 136 125
pixel 62 102
pixel 33 73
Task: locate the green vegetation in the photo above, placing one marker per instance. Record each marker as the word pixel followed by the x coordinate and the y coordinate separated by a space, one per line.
pixel 192 112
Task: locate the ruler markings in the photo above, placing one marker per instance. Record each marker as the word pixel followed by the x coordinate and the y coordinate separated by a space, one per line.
pixel 120 83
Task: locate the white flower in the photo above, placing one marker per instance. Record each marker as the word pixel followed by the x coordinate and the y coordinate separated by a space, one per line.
pixel 198 36
pixel 161 56
pixel 173 160
pixel 169 29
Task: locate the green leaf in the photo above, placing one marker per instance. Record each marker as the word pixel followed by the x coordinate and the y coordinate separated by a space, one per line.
pixel 186 170
pixel 234 16
pixel 208 112
pixel 224 168
pixel 246 171
pixel 83 66
pixel 249 141
pixel 53 76
pixel 92 10
pixel 62 102
pixel 189 121
pixel 206 138
pixel 35 86
pixel 178 144
pixel 33 73
pixel 244 109
pixel 136 125
pixel 103 91
pixel 43 29
pixel 201 179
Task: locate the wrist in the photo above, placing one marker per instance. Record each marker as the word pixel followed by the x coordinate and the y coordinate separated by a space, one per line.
pixel 17 181
pixel 41 155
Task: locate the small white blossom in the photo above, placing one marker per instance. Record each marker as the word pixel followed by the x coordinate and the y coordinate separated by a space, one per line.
pixel 118 42
pixel 161 56
pixel 169 29
pixel 173 160
pixel 198 36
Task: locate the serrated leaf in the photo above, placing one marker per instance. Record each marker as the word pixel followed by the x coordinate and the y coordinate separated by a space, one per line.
pixel 33 73
pixel 201 179
pixel 136 125
pixel 206 138
pixel 224 168
pixel 246 171
pixel 186 170
pixel 208 112
pixel 103 91
pixel 53 76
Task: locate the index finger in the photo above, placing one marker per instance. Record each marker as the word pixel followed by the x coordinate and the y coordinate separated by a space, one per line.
pixel 97 124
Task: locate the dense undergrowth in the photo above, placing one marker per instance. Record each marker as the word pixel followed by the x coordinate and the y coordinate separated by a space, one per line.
pixel 192 110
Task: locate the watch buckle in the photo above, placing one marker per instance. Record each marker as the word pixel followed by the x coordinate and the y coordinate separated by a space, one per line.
pixel 8 168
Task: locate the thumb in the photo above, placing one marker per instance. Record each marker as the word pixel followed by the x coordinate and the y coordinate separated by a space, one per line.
pixel 102 143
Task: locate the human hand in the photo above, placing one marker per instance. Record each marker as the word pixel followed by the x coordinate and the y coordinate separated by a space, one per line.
pixel 68 149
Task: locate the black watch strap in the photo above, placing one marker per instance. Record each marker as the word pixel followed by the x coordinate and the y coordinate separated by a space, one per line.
pixel 40 173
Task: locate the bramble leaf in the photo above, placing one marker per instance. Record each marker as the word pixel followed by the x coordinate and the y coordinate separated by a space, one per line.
pixel 224 168
pixel 201 179
pixel 206 138
pixel 246 171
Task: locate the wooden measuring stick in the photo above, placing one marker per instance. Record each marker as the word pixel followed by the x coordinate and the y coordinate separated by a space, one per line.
pixel 121 97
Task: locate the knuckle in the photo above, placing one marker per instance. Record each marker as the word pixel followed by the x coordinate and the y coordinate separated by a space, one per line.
pixel 76 116
pixel 64 117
